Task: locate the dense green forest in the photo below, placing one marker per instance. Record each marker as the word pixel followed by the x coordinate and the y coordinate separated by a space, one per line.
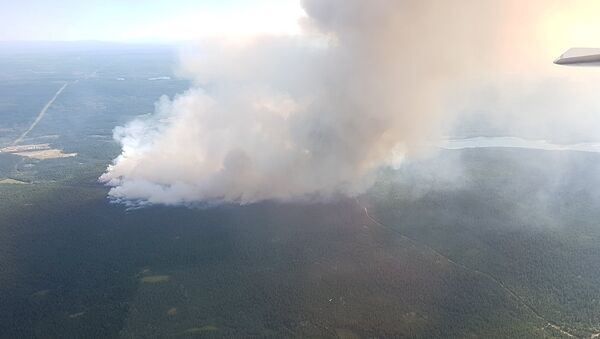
pixel 527 218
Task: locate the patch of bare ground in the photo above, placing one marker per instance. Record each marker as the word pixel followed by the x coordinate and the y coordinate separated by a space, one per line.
pixel 12 182
pixel 37 151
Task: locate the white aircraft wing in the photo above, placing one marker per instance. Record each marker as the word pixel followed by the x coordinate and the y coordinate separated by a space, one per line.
pixel 580 56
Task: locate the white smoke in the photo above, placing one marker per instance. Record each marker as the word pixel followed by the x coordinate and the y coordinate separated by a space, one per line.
pixel 309 116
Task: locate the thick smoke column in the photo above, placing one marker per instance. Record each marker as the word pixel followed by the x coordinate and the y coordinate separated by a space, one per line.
pixel 308 116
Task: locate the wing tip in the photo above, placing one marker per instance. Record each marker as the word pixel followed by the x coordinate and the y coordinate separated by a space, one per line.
pixel 579 56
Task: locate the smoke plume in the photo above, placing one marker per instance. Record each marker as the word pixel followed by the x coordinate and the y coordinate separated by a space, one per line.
pixel 312 116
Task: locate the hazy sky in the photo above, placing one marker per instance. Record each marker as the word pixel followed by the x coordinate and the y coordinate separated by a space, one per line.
pixel 126 20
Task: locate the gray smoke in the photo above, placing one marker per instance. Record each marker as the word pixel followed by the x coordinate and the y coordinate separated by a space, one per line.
pixel 309 116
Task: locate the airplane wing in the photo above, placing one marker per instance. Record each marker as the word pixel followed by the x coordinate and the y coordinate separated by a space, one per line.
pixel 580 56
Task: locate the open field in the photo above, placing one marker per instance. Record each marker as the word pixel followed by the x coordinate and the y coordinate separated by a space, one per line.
pixel 11 182
pixel 37 151
pixel 46 154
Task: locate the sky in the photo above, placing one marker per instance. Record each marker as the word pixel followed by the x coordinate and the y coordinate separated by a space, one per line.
pixel 564 23
pixel 138 20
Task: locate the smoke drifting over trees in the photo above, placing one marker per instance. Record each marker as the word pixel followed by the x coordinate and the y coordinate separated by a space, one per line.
pixel 312 116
